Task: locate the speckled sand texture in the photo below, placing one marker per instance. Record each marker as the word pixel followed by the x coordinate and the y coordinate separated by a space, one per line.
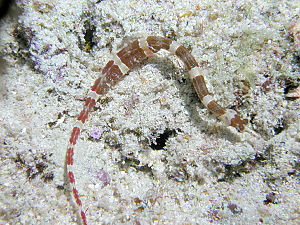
pixel 150 152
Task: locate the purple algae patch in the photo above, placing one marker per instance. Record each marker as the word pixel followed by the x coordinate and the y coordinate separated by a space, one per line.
pixel 96 133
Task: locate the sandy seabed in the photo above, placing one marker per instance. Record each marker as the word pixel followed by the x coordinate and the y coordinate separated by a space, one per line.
pixel 150 153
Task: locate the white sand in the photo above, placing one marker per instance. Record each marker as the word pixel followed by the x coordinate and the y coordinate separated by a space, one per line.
pixel 204 167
